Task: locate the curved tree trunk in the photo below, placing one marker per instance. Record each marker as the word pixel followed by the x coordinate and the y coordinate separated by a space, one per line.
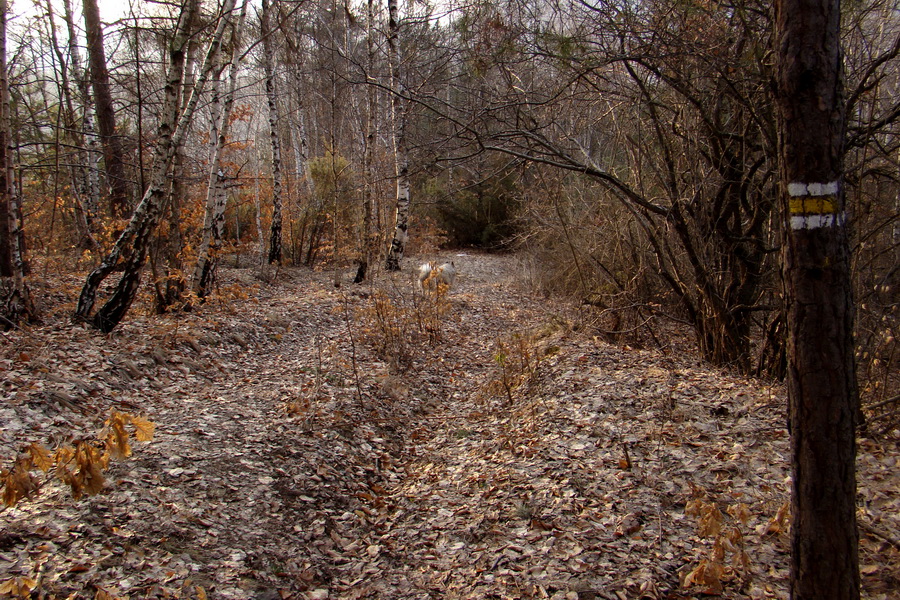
pixel 130 250
pixel 214 220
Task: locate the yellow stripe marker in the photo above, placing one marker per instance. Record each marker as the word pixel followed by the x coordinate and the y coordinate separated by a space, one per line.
pixel 814 205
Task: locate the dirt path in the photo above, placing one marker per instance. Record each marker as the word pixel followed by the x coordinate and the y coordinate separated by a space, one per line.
pixel 316 441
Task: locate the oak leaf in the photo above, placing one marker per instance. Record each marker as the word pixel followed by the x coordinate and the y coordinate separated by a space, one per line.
pixel 40 457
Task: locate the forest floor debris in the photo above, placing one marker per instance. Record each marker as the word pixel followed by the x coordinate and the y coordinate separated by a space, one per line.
pixel 317 441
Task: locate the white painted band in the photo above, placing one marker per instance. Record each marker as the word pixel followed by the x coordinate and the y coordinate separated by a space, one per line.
pixel 816 221
pixel 797 188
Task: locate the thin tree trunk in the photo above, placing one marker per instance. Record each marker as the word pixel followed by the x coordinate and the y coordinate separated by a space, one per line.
pixel 17 302
pixel 301 147
pixel 370 238
pixel 88 180
pixel 401 157
pixel 821 373
pixel 204 269
pixel 275 249
pixel 84 219
pixel 214 220
pixel 113 154
pixel 130 250
pixel 257 200
pixel 170 290
pixel 142 179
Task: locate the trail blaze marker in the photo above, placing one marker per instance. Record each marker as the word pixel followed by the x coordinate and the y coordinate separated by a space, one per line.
pixel 814 205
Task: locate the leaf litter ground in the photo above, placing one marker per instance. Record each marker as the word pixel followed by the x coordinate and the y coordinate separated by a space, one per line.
pixel 319 441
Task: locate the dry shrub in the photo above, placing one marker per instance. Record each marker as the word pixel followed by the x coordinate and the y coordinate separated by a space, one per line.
pixel 396 325
pixel 585 246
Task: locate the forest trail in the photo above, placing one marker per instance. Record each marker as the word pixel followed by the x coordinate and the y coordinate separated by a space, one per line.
pixel 319 441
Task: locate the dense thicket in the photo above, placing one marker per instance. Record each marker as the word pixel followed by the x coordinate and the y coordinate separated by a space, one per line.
pixel 629 148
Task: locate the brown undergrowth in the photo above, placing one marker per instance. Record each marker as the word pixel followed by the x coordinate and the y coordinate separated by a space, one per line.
pixel 362 442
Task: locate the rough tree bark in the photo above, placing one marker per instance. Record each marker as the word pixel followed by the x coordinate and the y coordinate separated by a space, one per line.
pixel 821 374
pixel 401 155
pixel 16 297
pixel 130 250
pixel 214 220
pixel 113 153
pixel 275 249
pixel 167 259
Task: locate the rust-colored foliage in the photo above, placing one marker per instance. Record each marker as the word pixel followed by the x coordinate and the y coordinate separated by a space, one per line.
pixel 79 466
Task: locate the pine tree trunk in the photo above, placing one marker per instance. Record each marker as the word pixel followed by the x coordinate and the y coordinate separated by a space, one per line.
pixel 275 249
pixel 113 153
pixel 130 249
pixel 214 220
pixel 401 157
pixel 821 373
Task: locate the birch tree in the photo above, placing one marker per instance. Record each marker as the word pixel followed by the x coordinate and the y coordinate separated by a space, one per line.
pixel 822 391
pixel 130 250
pixel 167 262
pixel 16 297
pixel 370 237
pixel 86 192
pixel 401 156
pixel 275 248
pixel 216 196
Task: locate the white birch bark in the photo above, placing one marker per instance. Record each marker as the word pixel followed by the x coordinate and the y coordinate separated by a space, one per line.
pixel 214 220
pixel 86 175
pixel 17 303
pixel 370 238
pixel 275 250
pixel 301 145
pixel 401 155
pixel 130 249
pixel 257 200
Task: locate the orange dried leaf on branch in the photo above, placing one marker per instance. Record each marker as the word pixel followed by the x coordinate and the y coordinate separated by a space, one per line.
pixel 92 464
pixel 116 436
pixel 18 587
pixel 143 429
pixel 779 523
pixel 40 457
pixel 708 575
pixel 18 483
pixel 740 512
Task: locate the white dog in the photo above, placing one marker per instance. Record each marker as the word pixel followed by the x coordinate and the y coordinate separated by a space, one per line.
pixel 433 275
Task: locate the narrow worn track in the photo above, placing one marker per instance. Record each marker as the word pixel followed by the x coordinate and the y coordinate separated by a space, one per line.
pixel 316 441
